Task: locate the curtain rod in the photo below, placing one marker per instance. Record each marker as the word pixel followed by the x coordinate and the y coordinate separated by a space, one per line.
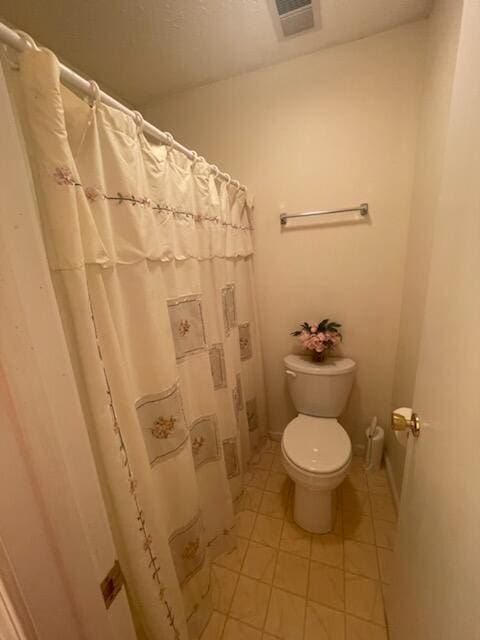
pixel 19 40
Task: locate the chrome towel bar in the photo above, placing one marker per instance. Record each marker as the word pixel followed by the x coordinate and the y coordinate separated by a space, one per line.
pixel 363 208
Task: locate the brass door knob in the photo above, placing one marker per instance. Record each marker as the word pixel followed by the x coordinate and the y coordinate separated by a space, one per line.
pixel 401 423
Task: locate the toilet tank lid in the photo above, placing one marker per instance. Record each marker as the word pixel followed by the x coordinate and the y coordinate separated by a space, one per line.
pixel 330 367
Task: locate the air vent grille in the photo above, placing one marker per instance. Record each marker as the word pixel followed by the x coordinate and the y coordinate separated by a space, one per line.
pixel 293 17
pixel 286 6
pixel 296 23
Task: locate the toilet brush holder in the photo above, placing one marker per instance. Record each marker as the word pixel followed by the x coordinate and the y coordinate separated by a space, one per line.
pixel 374 453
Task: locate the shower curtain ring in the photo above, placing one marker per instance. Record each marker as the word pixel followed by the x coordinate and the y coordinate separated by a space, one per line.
pixel 170 139
pixel 228 178
pixel 215 170
pixel 197 158
pixel 95 93
pixel 139 121
pixel 236 184
pixel 27 39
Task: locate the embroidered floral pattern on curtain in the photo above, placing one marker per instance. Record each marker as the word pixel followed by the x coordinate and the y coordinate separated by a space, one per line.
pixel 151 258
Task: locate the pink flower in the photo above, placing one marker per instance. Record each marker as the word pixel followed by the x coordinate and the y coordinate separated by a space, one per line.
pixel 92 193
pixel 333 336
pixel 314 339
pixel 63 175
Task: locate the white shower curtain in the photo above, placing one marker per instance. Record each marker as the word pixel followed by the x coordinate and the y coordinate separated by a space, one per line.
pixel 151 258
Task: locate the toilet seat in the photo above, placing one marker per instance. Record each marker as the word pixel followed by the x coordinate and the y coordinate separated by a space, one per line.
pixel 316 445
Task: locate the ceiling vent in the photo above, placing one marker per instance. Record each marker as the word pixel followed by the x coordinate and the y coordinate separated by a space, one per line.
pixel 292 17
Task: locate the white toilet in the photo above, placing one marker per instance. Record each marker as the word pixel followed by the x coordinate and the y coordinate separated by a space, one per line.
pixel 316 449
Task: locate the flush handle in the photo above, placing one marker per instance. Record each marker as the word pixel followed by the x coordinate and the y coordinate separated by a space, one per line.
pixel 401 423
pixel 290 373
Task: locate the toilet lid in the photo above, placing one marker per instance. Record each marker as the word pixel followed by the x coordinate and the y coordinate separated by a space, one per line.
pixel 315 444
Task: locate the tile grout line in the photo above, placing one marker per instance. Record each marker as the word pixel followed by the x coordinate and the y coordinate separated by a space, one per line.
pixel 227 615
pixel 240 574
pixel 309 568
pixel 277 553
pixel 344 571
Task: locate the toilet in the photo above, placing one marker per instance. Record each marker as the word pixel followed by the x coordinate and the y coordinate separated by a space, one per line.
pixel 316 449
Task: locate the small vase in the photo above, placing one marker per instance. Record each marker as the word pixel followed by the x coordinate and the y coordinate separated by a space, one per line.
pixel 318 356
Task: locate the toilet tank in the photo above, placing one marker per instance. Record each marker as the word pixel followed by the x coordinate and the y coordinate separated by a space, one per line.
pixel 319 389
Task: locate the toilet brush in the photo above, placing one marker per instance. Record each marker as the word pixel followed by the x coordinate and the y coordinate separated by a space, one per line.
pixel 370 433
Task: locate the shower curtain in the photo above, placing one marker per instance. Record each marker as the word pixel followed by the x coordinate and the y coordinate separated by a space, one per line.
pixel 151 259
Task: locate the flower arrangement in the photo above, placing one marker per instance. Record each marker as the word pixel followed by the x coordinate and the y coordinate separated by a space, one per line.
pixel 319 338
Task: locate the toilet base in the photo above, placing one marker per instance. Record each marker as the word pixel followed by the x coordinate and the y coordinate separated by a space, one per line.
pixel 313 510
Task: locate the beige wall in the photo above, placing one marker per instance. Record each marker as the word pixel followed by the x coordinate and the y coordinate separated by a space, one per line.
pixel 442 38
pixel 331 129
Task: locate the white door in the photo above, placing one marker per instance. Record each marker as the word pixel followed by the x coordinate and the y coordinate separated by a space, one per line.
pixel 435 593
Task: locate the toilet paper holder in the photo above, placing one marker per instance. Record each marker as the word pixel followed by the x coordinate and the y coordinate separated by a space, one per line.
pixel 402 423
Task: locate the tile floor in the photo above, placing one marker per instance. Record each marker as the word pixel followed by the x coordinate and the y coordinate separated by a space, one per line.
pixel 283 583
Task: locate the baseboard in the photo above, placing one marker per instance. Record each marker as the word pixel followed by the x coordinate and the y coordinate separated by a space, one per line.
pixel 275 435
pixel 391 481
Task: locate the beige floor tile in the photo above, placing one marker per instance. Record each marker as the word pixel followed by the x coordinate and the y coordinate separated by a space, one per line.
pixel 234 559
pixel 224 582
pixel 277 482
pixel 267 530
pixel 385 558
pixel 277 464
pixel 250 602
pixel 259 478
pixel 291 573
pixel 285 616
pixel 383 508
pixel 236 630
pixel 244 522
pixel 356 501
pixel 214 628
pixel 361 559
pixel 265 461
pixel 259 562
pixel 357 462
pixel 273 446
pixel 358 527
pixel 289 515
pixel 328 549
pixel 381 473
pixel 338 524
pixel 326 585
pixel 364 598
pixel 356 480
pixel 323 623
pixel 295 540
pixel 273 504
pixel 250 499
pixel 378 484
pixel 387 595
pixel 361 630
pixel 385 533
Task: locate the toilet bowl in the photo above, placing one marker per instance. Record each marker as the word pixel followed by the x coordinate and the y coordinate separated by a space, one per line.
pixel 316 450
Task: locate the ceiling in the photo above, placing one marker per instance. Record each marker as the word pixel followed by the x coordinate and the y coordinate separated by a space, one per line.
pixel 141 49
